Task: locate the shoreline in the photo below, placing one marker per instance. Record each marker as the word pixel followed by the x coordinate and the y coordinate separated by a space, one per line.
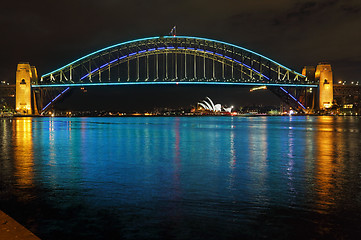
pixel 140 115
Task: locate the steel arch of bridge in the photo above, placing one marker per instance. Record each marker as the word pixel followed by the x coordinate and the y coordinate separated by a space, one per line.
pixel 177 60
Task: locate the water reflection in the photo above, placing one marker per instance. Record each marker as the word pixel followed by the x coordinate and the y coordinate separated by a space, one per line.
pixel 231 173
pixel 257 157
pixel 291 158
pixel 52 147
pixel 5 143
pixel 177 156
pixel 23 154
pixel 329 161
pixel 232 148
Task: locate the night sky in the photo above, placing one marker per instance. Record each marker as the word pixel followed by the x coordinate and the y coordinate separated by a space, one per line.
pixel 50 34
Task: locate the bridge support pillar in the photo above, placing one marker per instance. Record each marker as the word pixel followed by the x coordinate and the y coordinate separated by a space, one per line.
pixel 26 75
pixel 325 89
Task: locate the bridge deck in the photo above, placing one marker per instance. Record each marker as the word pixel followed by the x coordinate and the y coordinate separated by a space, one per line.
pixel 174 83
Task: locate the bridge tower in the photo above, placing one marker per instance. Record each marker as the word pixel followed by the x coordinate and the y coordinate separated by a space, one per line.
pixel 325 90
pixel 25 76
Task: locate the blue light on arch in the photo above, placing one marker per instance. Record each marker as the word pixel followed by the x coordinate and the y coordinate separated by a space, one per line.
pixel 151 38
pixel 64 91
pixel 293 97
pixel 172 48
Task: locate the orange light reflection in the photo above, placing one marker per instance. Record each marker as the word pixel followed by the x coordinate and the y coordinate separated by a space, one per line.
pixel 327 167
pixel 23 152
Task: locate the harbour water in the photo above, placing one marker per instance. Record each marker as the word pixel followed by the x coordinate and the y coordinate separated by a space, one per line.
pixel 183 177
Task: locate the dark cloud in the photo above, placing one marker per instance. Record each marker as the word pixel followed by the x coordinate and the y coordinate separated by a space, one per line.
pixel 304 33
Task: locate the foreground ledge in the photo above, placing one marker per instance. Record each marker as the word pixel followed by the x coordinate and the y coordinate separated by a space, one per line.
pixel 11 229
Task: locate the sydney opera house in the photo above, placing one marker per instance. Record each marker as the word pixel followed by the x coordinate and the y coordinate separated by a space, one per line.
pixel 208 105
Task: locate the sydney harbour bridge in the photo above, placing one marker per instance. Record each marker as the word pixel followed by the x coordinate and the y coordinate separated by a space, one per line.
pixel 167 60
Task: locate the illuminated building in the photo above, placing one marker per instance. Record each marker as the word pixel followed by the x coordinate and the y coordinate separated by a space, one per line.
pixel 7 96
pixel 210 106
